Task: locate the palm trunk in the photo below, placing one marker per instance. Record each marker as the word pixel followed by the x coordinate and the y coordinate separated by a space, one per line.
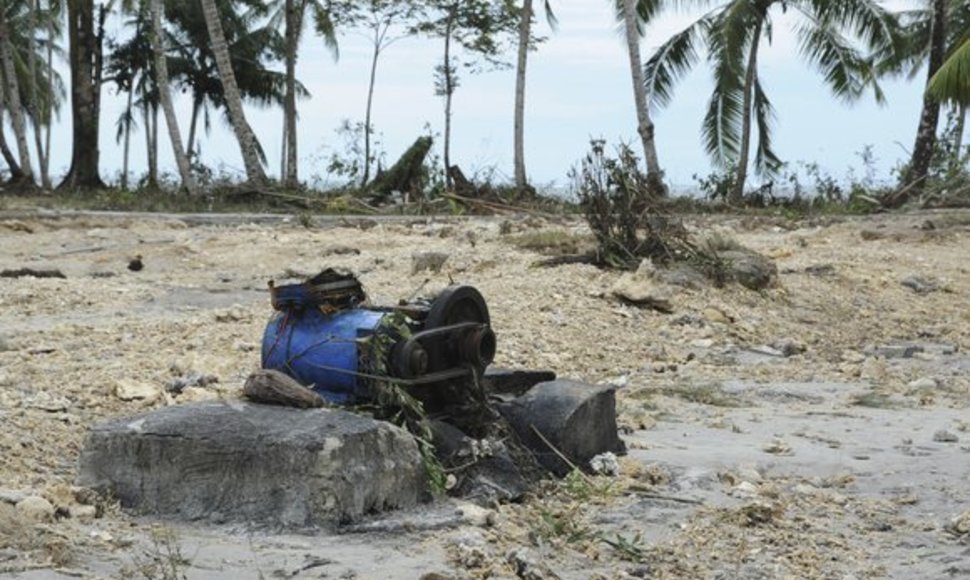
pixel 45 160
pixel 161 79
pixel 370 101
pixel 151 149
pixel 36 116
pixel 82 44
pixel 449 90
pixel 127 142
pixel 15 172
pixel 645 126
pixel 237 116
pixel 750 75
pixel 291 177
pixel 193 122
pixel 13 98
pixel 958 133
pixel 915 178
pixel 525 33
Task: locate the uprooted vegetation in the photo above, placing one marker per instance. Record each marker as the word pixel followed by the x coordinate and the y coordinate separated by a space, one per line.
pixel 632 225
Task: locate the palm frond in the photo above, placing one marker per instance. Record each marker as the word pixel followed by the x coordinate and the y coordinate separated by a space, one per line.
pixel 325 27
pixel 952 81
pixel 845 71
pixel 765 161
pixel 672 60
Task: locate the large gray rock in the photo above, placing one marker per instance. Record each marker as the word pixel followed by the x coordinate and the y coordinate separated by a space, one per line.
pixel 502 381
pixel 750 269
pixel 578 419
pixel 243 462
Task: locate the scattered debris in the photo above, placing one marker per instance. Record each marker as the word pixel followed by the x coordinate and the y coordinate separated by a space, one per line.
pixel 275 388
pixel 605 464
pixel 24 272
pixel 192 379
pixel 944 436
pixel 428 261
pixel 136 264
pixel 920 284
pixel 129 390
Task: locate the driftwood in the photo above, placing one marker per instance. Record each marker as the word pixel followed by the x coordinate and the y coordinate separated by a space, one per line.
pixel 22 272
pixel 405 175
pixel 275 388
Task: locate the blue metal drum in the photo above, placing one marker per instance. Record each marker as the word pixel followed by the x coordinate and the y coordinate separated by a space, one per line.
pixel 321 350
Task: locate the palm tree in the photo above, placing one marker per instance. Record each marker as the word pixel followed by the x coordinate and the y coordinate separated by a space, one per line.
pixel 252 48
pixel 291 14
pixel 828 33
pixel 11 90
pixel 633 14
pixel 930 32
pixel 526 42
pixel 248 145
pixel 165 96
pixel 84 42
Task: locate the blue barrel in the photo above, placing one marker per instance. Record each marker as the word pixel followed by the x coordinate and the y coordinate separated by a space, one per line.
pixel 321 350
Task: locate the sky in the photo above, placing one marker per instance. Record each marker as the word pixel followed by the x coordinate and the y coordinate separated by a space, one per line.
pixel 578 88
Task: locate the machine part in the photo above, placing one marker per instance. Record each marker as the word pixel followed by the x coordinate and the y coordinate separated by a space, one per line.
pixel 331 290
pixel 461 304
pixel 322 337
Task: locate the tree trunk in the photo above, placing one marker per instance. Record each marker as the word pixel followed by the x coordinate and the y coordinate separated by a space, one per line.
pixel 13 99
pixel 127 142
pixel 237 116
pixel 525 33
pixel 291 178
pixel 736 196
pixel 161 80
pixel 16 174
pixel 370 101
pixel 37 118
pixel 82 48
pixel 958 133
pixel 45 160
pixel 449 90
pixel 919 165
pixel 151 150
pixel 193 122
pixel 644 123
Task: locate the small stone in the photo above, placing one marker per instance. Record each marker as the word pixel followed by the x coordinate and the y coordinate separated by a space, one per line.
pixel 920 284
pixel 924 383
pixel 82 512
pixel 13 496
pixel 428 261
pixel 944 436
pixel 778 447
pixel 35 509
pixel 605 464
pixel 788 347
pixel 127 390
pixel 639 291
pixel 960 525
pixel 712 314
pixel 234 313
pixel 703 343
pixel 745 489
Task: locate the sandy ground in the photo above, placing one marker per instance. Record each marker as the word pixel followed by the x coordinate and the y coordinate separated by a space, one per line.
pixel 848 459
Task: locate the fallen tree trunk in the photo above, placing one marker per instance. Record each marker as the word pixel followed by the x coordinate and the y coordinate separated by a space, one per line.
pixel 405 175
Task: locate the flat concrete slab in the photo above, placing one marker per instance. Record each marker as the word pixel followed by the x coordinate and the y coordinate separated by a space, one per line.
pixel 258 464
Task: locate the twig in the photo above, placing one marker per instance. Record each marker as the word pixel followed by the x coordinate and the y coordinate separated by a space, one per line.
pixel 559 453
pixel 499 206
pixel 645 492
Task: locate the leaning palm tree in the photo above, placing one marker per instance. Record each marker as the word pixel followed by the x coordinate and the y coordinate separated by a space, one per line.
pixel 930 32
pixel 526 43
pixel 165 96
pixel 248 145
pixel 829 35
pixel 11 86
pixel 633 14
